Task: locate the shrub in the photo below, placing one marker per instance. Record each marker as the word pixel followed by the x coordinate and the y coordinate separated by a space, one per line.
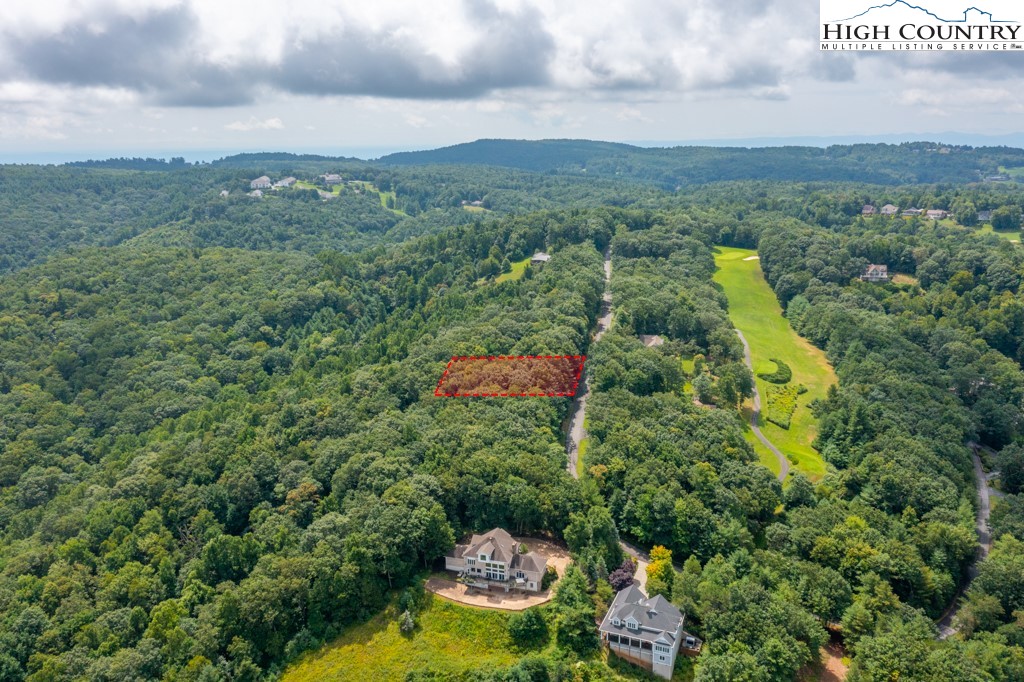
pixel 528 629
pixel 622 577
pixel 550 576
pixel 406 623
pixel 781 375
pixel 781 404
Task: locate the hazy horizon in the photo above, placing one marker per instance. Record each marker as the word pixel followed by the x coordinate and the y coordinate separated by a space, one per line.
pixel 371 153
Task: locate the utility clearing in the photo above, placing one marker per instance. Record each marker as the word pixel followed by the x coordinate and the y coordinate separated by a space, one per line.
pixel 755 311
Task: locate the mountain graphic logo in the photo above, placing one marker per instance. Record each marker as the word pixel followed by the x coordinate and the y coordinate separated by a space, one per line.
pixel 970 15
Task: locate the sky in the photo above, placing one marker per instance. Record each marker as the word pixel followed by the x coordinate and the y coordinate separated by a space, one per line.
pixel 82 78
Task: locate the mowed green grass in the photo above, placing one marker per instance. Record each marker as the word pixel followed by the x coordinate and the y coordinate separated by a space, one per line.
pixel 1013 236
pixel 518 268
pixel 754 310
pixel 448 638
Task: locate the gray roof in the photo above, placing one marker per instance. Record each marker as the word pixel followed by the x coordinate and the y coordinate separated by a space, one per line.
pixel 658 618
pixel 540 256
pixel 497 544
pixel 501 546
pixel 530 562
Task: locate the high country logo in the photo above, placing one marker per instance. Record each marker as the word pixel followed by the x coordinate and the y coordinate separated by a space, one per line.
pixel 906 24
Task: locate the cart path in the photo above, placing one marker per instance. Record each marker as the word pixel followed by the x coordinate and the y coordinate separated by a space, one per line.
pixel 576 434
pixel 755 414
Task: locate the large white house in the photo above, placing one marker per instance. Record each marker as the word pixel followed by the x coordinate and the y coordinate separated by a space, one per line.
pixel 646 632
pixel 493 559
pixel 262 182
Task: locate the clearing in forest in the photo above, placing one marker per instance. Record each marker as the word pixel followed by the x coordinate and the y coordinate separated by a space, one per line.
pixel 448 638
pixel 1011 235
pixel 511 376
pixel 755 311
pixel 517 271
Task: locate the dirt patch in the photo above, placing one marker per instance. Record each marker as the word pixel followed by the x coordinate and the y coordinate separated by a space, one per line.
pixel 752 258
pixel 833 668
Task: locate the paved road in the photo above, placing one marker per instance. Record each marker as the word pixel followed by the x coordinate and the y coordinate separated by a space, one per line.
pixel 755 415
pixel 641 558
pixel 945 623
pixel 576 434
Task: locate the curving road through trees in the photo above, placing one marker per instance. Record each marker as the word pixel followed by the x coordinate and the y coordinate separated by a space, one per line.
pixel 576 433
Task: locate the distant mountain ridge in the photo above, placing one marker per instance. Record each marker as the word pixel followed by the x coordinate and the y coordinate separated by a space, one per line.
pixel 533 155
pixel 667 168
pixel 673 167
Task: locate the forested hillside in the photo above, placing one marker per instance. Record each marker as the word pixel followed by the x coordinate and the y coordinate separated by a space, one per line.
pixel 220 445
pixel 918 162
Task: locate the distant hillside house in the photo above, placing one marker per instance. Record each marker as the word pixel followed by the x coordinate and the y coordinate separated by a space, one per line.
pixel 256 194
pixel 868 210
pixel 493 560
pixel 911 212
pixel 889 209
pixel 262 182
pixel 539 258
pixel 984 216
pixel 285 182
pixel 936 214
pixel 646 632
pixel 224 192
pixel 876 273
pixel 331 179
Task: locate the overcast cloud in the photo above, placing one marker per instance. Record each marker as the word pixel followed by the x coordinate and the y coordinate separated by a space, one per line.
pixel 164 74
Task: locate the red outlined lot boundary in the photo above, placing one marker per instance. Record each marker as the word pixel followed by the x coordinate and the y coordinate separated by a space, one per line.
pixel 511 376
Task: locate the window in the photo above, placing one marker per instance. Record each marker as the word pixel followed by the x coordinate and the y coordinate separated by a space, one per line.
pixel 661 649
pixel 646 646
pixel 471 562
pixel 483 557
pixel 632 624
pixel 532 586
pixel 520 574
pixel 617 621
pixel 661 658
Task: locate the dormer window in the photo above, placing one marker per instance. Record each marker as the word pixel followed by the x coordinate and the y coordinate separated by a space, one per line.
pixel 483 557
pixel 617 622
pixel 632 624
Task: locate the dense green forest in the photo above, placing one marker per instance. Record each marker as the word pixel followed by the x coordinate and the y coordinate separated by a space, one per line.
pixel 914 162
pixel 220 446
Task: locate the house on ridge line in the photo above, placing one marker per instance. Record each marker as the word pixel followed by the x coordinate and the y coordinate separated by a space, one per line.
pixel 494 560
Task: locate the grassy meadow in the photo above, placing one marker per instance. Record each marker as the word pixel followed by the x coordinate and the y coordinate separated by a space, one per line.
pixel 517 271
pixel 448 638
